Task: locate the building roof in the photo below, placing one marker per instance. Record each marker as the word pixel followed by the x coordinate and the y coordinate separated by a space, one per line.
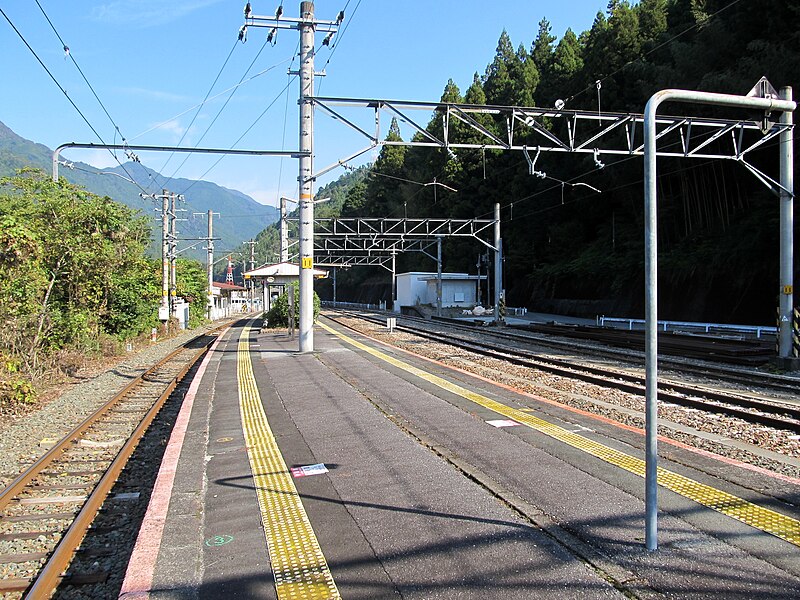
pixel 228 286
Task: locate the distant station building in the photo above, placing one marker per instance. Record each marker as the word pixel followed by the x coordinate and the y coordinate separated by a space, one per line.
pixel 458 289
pixel 229 299
pixel 275 277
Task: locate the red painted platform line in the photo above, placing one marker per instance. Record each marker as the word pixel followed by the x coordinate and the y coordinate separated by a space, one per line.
pixel 139 576
pixel 700 451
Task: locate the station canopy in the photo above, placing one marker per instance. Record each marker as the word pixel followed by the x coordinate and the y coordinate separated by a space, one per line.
pixel 281 273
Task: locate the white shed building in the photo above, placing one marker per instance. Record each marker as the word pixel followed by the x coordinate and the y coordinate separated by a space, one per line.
pixel 458 289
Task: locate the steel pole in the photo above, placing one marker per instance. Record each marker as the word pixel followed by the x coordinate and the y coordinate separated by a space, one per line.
pixel 210 266
pixel 305 178
pixel 394 282
pixel 786 292
pixel 498 263
pixel 651 272
pixel 651 327
pixel 439 276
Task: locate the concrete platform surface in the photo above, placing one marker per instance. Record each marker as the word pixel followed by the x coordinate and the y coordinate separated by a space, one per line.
pixel 420 497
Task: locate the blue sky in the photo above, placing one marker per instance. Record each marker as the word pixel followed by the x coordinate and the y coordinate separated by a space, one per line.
pixel 152 62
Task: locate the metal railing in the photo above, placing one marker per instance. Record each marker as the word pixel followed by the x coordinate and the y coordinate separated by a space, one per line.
pixel 757 330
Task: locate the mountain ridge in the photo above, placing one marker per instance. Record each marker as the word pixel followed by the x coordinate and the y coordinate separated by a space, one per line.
pixel 246 217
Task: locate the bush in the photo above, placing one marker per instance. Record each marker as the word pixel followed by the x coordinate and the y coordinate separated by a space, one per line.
pixel 278 315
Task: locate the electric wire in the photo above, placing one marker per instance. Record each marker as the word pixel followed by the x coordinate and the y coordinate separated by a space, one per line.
pixel 239 139
pixel 77 66
pixel 191 108
pixel 340 35
pixel 63 91
pixel 666 42
pixel 222 108
pixel 285 121
pixel 210 89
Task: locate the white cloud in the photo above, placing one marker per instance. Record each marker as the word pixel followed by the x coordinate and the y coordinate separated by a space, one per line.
pixel 100 159
pixel 155 95
pixel 172 127
pixel 146 13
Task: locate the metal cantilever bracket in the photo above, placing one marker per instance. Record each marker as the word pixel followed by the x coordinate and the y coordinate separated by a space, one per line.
pixel 532 162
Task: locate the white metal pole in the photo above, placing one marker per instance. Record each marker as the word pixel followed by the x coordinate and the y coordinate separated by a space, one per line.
pixel 394 282
pixel 210 266
pixel 306 182
pixel 651 327
pixel 786 292
pixel 651 273
pixel 498 263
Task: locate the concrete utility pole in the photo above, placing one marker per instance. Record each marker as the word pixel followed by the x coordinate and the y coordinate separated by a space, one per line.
pixel 285 230
pixel 498 264
pixel 173 256
pixel 251 287
pixel 307 26
pixel 305 179
pixel 209 264
pixel 163 311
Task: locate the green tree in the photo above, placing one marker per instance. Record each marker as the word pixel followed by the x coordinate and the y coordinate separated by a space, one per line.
pixel 498 80
pixel 278 315
pixel 68 261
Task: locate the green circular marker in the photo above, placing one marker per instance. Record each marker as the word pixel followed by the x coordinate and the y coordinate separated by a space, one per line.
pixel 218 540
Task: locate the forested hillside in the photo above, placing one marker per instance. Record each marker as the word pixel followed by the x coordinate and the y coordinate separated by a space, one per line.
pixel 570 249
pixel 241 217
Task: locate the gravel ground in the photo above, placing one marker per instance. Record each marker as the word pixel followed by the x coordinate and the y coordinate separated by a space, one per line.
pixel 22 438
pixel 604 401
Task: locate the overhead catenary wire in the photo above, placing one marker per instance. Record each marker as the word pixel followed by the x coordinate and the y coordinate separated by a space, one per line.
pixel 188 127
pixel 63 91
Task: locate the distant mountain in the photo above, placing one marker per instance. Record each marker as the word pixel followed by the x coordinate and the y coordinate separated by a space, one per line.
pixel 240 217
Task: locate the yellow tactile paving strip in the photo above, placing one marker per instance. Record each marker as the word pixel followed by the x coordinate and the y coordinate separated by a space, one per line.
pixel 756 516
pixel 300 569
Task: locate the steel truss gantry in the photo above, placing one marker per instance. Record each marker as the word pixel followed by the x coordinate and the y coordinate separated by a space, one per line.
pixel 347 242
pixel 564 131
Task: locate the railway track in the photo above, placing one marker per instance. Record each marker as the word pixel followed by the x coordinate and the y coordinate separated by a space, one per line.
pixel 550 336
pixel 779 414
pixel 592 348
pixel 47 509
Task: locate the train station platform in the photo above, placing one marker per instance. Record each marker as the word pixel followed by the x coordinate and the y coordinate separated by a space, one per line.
pixel 361 471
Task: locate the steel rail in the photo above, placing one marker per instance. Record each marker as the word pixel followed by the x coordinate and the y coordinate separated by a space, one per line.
pixel 779 383
pixel 13 488
pixel 46 580
pixel 50 575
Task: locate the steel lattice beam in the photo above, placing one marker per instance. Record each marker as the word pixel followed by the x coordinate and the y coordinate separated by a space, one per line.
pixel 551 130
